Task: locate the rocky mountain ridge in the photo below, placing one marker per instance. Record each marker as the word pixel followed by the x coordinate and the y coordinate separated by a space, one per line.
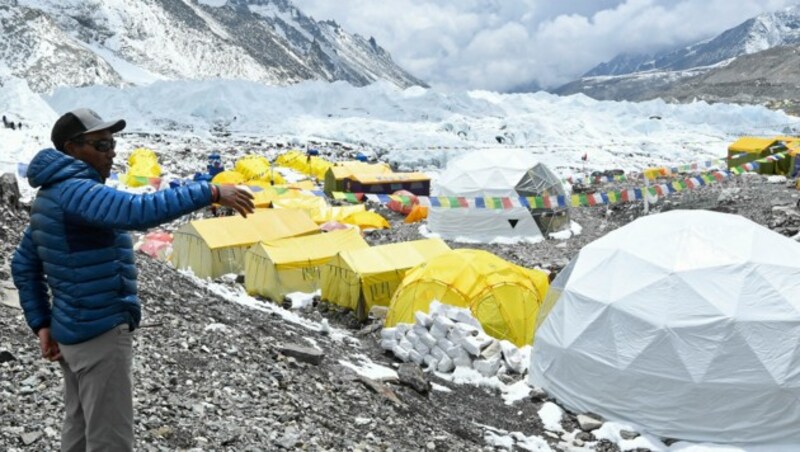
pixel 745 64
pixel 87 42
pixel 780 28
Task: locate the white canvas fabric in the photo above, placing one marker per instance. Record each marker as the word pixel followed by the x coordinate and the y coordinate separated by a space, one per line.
pixel 491 172
pixel 686 323
pixel 486 173
pixel 484 225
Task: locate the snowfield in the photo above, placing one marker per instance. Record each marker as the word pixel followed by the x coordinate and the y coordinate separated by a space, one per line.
pixel 403 125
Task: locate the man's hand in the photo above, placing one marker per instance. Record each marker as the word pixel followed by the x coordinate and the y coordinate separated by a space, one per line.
pixel 48 346
pixel 237 199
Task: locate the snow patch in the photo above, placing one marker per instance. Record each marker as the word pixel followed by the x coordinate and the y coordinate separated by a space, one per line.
pixel 302 300
pixel 367 368
pixel 216 327
pixel 239 296
pixel 574 229
pixel 551 415
pixel 516 392
pixel 504 440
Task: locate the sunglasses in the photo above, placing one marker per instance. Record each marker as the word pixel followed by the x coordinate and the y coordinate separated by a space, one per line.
pixel 99 145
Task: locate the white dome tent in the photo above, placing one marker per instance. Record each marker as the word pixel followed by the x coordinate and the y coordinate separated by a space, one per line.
pixel 486 173
pixel 686 323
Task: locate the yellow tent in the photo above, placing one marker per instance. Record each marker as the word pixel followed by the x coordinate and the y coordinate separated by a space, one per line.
pixel 747 149
pixel 301 185
pixel 750 145
pixel 416 183
pixel 142 166
pixel 265 196
pixel 319 167
pixel 291 158
pixel 142 155
pixel 141 173
pixel 228 178
pixel 504 297
pixel 256 167
pixel 418 213
pixel 361 279
pixel 318 209
pixel 274 269
pixel 298 161
pixel 216 246
pixel 367 220
pixel 336 174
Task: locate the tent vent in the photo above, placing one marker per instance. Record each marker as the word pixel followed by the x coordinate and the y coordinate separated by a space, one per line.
pixel 513 223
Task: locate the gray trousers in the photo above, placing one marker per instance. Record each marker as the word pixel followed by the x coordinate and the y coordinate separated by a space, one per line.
pixel 98 393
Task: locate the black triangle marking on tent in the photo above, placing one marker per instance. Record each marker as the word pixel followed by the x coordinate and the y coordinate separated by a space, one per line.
pixel 513 223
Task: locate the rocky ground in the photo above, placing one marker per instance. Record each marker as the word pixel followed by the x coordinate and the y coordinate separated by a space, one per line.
pixel 213 374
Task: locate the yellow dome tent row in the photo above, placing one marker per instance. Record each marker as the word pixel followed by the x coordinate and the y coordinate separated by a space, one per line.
pixel 505 298
pixel 215 246
pixel 361 279
pixel 276 268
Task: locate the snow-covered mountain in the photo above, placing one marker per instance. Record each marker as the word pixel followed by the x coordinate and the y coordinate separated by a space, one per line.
pixel 763 32
pixel 53 43
pixel 636 77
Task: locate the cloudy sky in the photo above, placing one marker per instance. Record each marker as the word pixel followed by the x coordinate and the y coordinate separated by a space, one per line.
pixel 502 44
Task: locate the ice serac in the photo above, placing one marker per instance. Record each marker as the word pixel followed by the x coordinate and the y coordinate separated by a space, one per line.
pixel 87 42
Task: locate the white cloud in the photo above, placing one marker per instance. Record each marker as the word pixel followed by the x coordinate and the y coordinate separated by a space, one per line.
pixel 500 44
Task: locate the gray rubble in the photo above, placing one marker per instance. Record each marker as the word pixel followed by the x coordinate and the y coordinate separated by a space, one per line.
pixel 211 374
pixel 589 422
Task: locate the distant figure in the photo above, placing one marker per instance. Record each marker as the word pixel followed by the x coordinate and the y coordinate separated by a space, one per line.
pixel 19 125
pixel 5 121
pixel 214 164
pixel 11 124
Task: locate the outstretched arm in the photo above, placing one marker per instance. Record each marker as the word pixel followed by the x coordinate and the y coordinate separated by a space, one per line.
pixel 102 206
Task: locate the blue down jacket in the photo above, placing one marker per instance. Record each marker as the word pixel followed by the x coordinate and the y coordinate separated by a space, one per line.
pixel 76 245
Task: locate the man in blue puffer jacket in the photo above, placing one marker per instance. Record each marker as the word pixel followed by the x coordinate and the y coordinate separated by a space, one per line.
pixel 76 273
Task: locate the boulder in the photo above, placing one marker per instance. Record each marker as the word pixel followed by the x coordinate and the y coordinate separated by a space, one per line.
pixel 411 375
pixel 30 438
pixel 6 356
pixel 304 354
pixel 9 191
pixel 380 388
pixel 589 422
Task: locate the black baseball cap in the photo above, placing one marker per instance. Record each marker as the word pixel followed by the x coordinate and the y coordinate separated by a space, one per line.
pixel 78 122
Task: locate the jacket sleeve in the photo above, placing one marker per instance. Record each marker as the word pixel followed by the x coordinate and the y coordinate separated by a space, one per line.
pixel 101 206
pixel 28 275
